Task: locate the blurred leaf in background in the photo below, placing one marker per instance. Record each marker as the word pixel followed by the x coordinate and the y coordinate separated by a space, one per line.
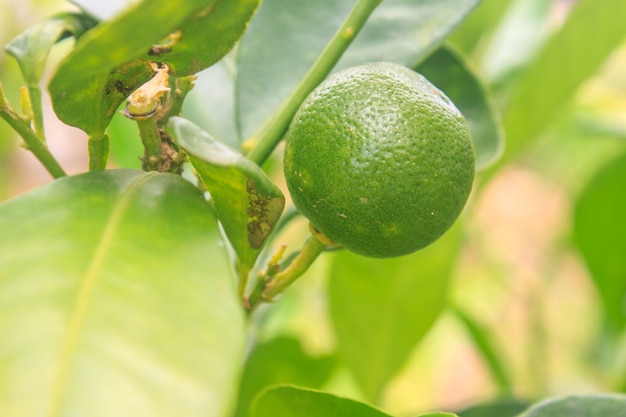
pixel 381 309
pixel 600 234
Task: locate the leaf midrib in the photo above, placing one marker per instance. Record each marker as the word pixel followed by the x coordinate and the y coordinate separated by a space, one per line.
pixel 85 293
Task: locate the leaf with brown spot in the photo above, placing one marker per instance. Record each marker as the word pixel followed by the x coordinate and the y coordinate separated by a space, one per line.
pixel 112 57
pixel 247 202
pixel 263 213
pixel 90 103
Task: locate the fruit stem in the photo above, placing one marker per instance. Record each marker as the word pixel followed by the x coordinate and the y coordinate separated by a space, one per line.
pixel 32 142
pixel 270 134
pixel 273 282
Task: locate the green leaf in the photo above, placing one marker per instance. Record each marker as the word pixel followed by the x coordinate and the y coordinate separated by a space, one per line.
pixel 90 104
pixel 116 299
pixel 208 36
pixel 497 408
pixel 247 202
pixel 127 37
pixel 288 401
pixel 280 361
pixel 285 38
pixel 449 72
pixel 110 61
pixel 31 49
pixel 600 234
pixel 569 58
pixel 208 30
pixel 381 308
pixel 601 405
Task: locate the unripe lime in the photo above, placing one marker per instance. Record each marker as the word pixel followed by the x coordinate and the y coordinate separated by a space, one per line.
pixel 379 160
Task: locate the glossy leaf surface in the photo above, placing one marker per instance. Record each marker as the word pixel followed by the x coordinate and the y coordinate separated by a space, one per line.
pixel 580 406
pixel 248 203
pixel 289 401
pixel 285 38
pixel 91 103
pixel 449 72
pixel 116 299
pixel 128 36
pixel 280 361
pixel 204 31
pixel 600 234
pixel 381 308
pixel 111 60
pixel 207 36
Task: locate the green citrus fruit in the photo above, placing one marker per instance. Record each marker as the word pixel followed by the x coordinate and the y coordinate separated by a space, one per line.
pixel 379 160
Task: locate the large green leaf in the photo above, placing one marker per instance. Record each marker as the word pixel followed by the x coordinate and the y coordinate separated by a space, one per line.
pixel 570 57
pixel 600 234
pixel 128 36
pixel 448 71
pixel 91 103
pixel 580 406
pixel 31 49
pixel 280 361
pixel 208 36
pixel 208 29
pixel 286 37
pixel 116 299
pixel 381 308
pixel 289 401
pixel 247 202
pixel 97 68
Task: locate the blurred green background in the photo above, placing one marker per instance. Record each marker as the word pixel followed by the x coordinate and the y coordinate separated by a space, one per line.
pixel 542 270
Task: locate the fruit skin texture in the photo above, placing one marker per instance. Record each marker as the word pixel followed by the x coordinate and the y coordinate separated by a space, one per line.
pixel 379 160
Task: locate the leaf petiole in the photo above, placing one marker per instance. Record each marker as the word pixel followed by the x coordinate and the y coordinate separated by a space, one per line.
pixel 98 148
